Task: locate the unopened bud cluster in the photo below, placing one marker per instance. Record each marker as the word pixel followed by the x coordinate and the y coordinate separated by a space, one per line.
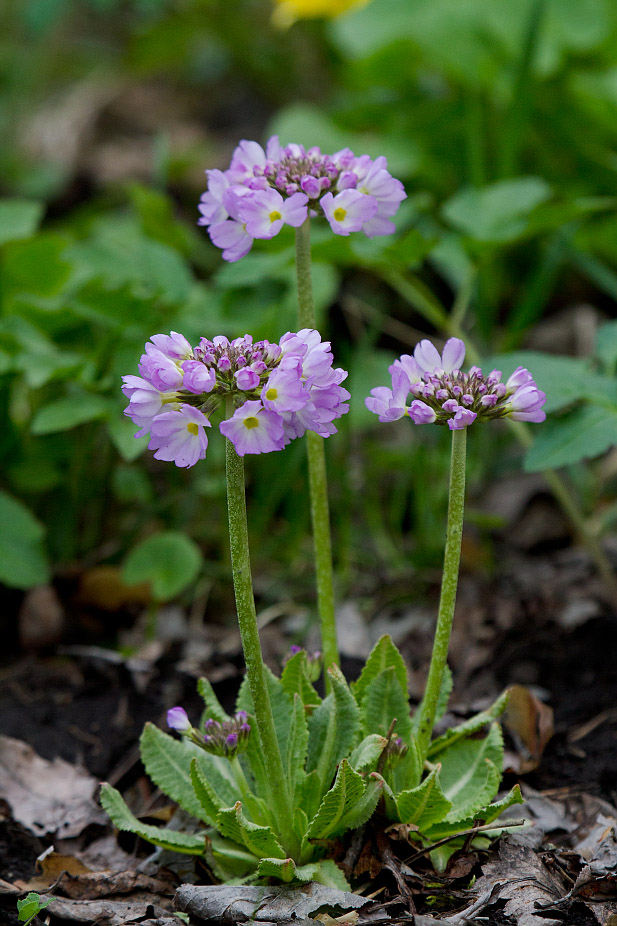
pixel 222 738
pixel 314 660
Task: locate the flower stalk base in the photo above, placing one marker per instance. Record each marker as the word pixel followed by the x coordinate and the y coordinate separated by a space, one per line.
pixel 318 480
pixel 447 600
pixel 247 621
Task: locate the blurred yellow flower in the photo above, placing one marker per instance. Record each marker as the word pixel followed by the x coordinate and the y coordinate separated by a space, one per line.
pixel 287 11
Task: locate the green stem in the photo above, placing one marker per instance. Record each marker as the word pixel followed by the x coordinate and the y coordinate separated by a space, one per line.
pixel 449 583
pixel 279 797
pixel 306 306
pixel 318 480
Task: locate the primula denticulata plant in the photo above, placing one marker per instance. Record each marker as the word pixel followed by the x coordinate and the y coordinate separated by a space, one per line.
pixel 290 773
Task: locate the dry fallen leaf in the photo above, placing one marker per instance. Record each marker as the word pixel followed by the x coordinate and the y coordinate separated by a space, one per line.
pixel 47 797
pixel 228 903
pixel 107 912
pixel 530 723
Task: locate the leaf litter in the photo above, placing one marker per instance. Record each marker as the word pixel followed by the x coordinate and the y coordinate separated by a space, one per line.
pixel 561 869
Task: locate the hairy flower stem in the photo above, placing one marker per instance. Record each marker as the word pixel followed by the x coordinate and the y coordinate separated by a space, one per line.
pixel 414 291
pixel 449 583
pixel 279 798
pixel 318 480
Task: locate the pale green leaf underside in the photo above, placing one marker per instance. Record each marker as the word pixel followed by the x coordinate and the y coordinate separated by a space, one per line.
pixel 260 840
pixel 424 805
pixel 384 655
pixel 123 819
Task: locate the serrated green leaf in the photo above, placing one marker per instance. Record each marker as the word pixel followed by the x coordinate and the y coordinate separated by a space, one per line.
pixel 297 746
pixel 346 792
pixel 473 801
pixel 471 771
pixel 408 770
pixel 384 655
pixel 581 434
pixel 424 805
pixel 168 763
pixel 295 680
pixel 384 701
pixel 205 794
pixel 260 840
pixel 169 560
pixel 213 708
pixel 363 809
pixel 365 756
pixel 283 869
pixel 327 872
pixel 122 818
pixel 282 712
pixel 332 730
pixel 487 814
pixel 69 412
pixel 23 560
pixel 444 693
pixel 227 859
pixel 468 727
pixel 309 794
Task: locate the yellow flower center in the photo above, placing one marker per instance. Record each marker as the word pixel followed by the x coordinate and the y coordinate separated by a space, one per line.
pixel 271 394
pixel 192 427
pixel 339 214
pixel 275 216
pixel 251 422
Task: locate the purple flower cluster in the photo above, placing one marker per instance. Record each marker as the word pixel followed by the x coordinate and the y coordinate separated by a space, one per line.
pixel 443 394
pixel 223 739
pixel 229 737
pixel 263 190
pixel 278 391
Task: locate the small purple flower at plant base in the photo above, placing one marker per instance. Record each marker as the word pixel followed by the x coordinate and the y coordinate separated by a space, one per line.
pixel 278 392
pixel 177 719
pixel 430 387
pixel 227 738
pixel 262 191
pixel 314 660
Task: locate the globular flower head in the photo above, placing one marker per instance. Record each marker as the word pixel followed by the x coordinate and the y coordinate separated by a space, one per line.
pixel 430 387
pixel 226 738
pixel 277 392
pixel 261 191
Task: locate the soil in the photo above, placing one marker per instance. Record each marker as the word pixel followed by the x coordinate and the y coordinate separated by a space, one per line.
pixel 75 703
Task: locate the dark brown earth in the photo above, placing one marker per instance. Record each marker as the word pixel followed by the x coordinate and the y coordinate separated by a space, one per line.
pixel 88 706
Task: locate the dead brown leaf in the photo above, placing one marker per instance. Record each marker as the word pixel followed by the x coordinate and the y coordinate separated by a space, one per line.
pixel 105 912
pixel 525 882
pixel 530 723
pixel 46 797
pixel 96 884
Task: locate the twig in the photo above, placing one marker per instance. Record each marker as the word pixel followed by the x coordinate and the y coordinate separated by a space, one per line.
pixel 473 830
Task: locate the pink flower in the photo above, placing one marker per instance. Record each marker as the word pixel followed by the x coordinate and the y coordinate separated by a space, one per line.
pixel 348 211
pixel 266 212
pixel 254 429
pixel 179 436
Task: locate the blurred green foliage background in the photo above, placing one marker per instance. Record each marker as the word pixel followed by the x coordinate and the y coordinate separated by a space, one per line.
pixel 500 116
